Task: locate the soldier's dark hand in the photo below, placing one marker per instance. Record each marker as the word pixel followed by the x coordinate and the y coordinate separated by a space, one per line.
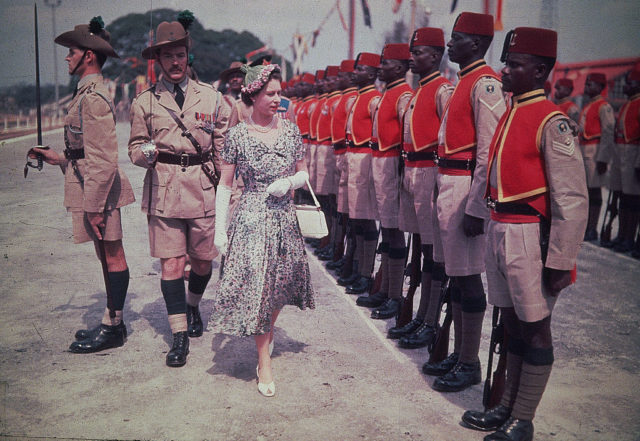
pixel 556 280
pixel 637 173
pixel 96 220
pixel 472 226
pixel 49 156
pixel 601 167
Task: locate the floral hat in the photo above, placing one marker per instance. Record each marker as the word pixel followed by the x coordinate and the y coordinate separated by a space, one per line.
pixel 256 76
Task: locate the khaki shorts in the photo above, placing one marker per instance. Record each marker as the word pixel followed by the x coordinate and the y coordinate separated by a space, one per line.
pixel 325 170
pixel 416 201
pixel 82 231
pixel 342 165
pixel 463 256
pixel 514 270
pixel 438 251
pixel 628 158
pixel 362 194
pixel 171 237
pixel 311 164
pixel 594 180
pixel 386 180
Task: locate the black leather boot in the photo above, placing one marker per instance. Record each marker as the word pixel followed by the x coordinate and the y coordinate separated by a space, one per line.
pixel 492 419
pixel 372 300
pixel 83 334
pixel 513 429
pixel 461 377
pixel 399 331
pixel 389 309
pixel 106 337
pixel 335 264
pixel 194 321
pixel 348 280
pixel 362 285
pixel 441 367
pixel 177 356
pixel 421 337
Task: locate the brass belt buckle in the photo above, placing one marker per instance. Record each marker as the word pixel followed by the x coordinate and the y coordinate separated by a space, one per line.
pixel 184 161
pixel 491 203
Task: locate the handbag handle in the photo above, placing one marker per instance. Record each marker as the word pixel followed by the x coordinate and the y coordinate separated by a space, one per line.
pixel 313 195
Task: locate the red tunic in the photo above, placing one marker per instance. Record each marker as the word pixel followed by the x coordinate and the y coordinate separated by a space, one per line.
pixel 628 124
pixel 339 117
pixel 389 126
pixel 425 122
pixel 302 116
pixel 515 151
pixel 315 115
pixel 361 122
pixel 460 131
pixel 324 121
pixel 591 116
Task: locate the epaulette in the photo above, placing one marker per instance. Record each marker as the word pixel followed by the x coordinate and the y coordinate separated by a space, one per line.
pixel 151 89
pixel 204 84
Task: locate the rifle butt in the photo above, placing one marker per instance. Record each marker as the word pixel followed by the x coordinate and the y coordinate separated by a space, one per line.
pixel 441 345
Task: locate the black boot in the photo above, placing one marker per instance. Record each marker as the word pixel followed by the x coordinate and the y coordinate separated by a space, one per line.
pixel 399 331
pixel 348 280
pixel 421 337
pixel 177 356
pixel 461 377
pixel 106 337
pixel 194 321
pixel 441 367
pixel 388 310
pixel 362 285
pixel 335 264
pixel 83 334
pixel 513 429
pixel 492 419
pixel 372 300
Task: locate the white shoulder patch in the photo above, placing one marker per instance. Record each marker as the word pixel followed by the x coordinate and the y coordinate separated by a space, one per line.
pixel 566 148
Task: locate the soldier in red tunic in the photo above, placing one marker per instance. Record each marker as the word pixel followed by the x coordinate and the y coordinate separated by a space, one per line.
pixel 597 123
pixel 421 125
pixel 538 197
pixel 468 124
pixel 564 89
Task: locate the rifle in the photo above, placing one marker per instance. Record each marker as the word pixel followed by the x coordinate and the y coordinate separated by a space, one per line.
pixel 607 221
pixel 40 160
pixel 493 390
pixel 439 349
pixel 406 310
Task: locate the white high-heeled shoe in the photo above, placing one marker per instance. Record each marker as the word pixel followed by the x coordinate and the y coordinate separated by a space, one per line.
pixel 265 389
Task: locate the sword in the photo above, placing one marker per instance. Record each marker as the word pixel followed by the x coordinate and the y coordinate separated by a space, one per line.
pixel 39 157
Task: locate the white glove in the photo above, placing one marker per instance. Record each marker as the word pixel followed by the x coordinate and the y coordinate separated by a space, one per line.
pixel 220 239
pixel 280 187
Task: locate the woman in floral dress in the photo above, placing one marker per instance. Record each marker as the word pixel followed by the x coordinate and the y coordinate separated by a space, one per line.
pixel 265 261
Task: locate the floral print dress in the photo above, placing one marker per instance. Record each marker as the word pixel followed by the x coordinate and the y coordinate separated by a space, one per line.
pixel 266 264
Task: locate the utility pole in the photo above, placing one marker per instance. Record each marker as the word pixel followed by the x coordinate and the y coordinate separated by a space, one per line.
pixel 352 26
pixel 53 4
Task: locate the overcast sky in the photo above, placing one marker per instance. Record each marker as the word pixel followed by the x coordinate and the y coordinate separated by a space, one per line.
pixel 588 29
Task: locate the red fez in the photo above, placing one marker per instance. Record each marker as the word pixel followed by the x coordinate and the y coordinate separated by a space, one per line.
pixel 634 75
pixel 308 78
pixel 284 84
pixel 597 77
pixel 332 71
pixel 368 59
pixel 533 41
pixel 347 65
pixel 473 23
pixel 428 37
pixel 319 74
pixel 566 82
pixel 395 51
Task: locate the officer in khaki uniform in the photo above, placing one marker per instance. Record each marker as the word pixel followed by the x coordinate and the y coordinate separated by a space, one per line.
pixel 178 193
pixel 94 187
pixel 537 190
pixel 597 124
pixel 467 127
pixel 420 136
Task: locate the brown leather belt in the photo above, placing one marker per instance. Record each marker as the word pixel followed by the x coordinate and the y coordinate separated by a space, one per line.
pixel 183 160
pixel 73 154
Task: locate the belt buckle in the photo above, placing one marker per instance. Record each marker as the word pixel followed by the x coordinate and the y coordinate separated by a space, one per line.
pixel 468 164
pixel 405 155
pixel 491 203
pixel 184 161
pixel 436 159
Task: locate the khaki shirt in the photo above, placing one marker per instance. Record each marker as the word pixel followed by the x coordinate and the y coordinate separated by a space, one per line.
pixel 169 190
pixel 90 124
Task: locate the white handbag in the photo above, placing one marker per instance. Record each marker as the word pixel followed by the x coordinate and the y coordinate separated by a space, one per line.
pixel 311 218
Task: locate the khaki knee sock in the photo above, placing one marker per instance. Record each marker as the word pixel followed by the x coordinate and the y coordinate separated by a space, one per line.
pixel 365 266
pixel 533 382
pixel 106 320
pixel 178 323
pixel 471 333
pixel 384 267
pixel 395 277
pixel 456 312
pixel 514 367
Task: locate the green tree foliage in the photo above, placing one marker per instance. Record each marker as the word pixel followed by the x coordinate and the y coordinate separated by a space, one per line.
pixel 213 50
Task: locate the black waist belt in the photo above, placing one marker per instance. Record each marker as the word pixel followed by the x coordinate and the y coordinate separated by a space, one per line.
pixel 419 156
pixel 457 164
pixel 305 137
pixel 374 145
pixel 73 154
pixel 183 160
pixel 352 144
pixel 511 208
pixel 340 145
